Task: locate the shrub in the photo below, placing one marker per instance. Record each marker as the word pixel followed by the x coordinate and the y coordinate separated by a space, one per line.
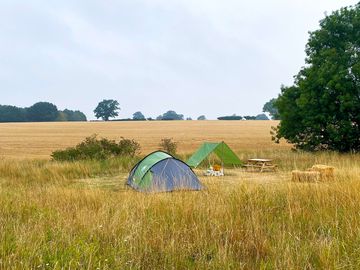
pixel 168 145
pixel 93 148
pixel 129 147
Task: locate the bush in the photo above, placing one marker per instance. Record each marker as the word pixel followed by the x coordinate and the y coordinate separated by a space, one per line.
pixel 168 145
pixel 93 148
pixel 128 147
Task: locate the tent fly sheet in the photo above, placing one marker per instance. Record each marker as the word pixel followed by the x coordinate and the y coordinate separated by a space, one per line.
pixel 222 150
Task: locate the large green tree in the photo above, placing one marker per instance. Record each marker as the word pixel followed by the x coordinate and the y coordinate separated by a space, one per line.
pixel 108 108
pixel 321 111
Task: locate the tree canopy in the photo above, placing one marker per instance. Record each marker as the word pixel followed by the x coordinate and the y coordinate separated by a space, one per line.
pixel 42 112
pixel 231 117
pixel 261 116
pixel 12 114
pixel 39 112
pixel 170 115
pixel 108 108
pixel 69 115
pixel 138 116
pixel 321 111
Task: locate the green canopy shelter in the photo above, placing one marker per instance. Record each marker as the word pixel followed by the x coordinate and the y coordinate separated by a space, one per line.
pixel 221 149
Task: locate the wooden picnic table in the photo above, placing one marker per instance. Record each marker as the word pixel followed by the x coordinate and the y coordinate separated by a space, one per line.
pixel 261 164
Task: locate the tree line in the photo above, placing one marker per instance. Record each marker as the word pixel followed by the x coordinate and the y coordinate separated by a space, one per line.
pixel 106 109
pixel 109 108
pixel 39 112
pixel 261 116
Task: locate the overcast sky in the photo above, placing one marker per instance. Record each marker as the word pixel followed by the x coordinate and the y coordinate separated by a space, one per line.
pixel 196 57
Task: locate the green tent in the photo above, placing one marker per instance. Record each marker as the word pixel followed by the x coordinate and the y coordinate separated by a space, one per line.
pixel 222 150
pixel 159 171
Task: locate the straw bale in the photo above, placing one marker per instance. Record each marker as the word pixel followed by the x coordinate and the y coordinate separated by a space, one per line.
pixel 305 176
pixel 326 172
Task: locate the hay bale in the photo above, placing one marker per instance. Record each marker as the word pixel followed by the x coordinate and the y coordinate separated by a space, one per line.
pixel 305 176
pixel 326 172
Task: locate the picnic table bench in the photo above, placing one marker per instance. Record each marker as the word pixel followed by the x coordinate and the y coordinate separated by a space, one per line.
pixel 259 164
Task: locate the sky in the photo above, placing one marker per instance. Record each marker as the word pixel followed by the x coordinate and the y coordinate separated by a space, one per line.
pixel 197 57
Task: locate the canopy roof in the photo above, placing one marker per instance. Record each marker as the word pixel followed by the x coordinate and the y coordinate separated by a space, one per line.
pixel 221 149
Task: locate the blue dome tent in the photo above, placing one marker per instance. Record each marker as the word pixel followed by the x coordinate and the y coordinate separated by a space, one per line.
pixel 161 172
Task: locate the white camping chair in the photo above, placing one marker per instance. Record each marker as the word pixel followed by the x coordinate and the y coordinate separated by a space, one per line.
pixel 217 171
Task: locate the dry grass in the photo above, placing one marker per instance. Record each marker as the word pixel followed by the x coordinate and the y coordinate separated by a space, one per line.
pixel 305 176
pixel 81 215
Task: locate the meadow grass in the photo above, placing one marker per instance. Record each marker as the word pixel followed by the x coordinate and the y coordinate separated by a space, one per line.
pixel 52 216
pixel 81 215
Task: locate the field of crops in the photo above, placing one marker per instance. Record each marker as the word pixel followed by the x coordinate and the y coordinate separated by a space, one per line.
pixel 80 215
pixel 28 140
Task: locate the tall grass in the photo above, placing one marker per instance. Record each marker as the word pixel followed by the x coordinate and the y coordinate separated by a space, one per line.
pixel 45 172
pixel 47 222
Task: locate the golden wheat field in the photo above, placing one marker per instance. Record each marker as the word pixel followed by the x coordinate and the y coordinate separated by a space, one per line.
pixel 29 140
pixel 81 215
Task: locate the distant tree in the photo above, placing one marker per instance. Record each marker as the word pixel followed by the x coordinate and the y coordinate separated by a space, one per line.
pixel 108 108
pixel 39 112
pixel 159 117
pixel 201 117
pixel 42 112
pixel 188 118
pixel 74 115
pixel 270 107
pixel 321 111
pixel 232 117
pixel 138 116
pixel 12 114
pixel 172 115
pixel 149 119
pixel 249 117
pixel 61 117
pixel 261 117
